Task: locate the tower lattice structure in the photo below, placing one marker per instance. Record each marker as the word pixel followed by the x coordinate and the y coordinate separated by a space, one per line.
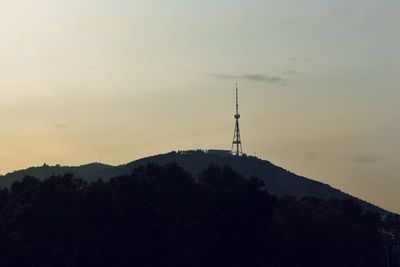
pixel 237 143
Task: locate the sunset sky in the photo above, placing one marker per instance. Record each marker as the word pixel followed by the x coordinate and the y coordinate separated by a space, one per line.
pixel 117 80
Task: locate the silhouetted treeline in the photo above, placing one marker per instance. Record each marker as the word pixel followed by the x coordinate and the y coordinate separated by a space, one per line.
pixel 159 216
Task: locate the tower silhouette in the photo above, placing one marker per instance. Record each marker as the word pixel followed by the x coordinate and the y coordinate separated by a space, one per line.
pixel 237 143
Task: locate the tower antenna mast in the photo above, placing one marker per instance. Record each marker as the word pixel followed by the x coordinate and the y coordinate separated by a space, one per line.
pixel 236 143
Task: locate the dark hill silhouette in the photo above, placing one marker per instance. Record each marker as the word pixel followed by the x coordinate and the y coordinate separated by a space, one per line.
pixel 91 171
pixel 160 216
pixel 278 181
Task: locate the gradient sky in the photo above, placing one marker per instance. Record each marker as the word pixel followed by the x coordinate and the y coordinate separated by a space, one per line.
pixel 116 80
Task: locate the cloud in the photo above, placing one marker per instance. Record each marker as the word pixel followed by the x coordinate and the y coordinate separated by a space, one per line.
pixel 367 159
pixel 311 155
pixel 61 126
pixel 289 72
pixel 251 77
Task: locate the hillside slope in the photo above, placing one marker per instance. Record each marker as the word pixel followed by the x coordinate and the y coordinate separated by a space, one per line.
pixel 278 181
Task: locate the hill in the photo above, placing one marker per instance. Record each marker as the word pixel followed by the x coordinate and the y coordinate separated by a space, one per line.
pixel 161 216
pixel 278 181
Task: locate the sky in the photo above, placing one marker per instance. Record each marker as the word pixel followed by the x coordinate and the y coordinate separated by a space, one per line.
pixel 117 80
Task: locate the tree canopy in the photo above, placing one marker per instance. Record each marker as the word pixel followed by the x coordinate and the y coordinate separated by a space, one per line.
pixel 159 216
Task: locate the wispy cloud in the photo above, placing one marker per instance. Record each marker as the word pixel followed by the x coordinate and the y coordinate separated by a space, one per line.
pixel 289 72
pixel 367 159
pixel 61 126
pixel 251 77
pixel 311 155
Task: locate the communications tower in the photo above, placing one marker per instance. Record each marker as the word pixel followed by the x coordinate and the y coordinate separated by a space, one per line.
pixel 237 143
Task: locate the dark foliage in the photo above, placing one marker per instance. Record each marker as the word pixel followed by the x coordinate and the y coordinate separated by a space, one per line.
pixel 280 182
pixel 159 216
